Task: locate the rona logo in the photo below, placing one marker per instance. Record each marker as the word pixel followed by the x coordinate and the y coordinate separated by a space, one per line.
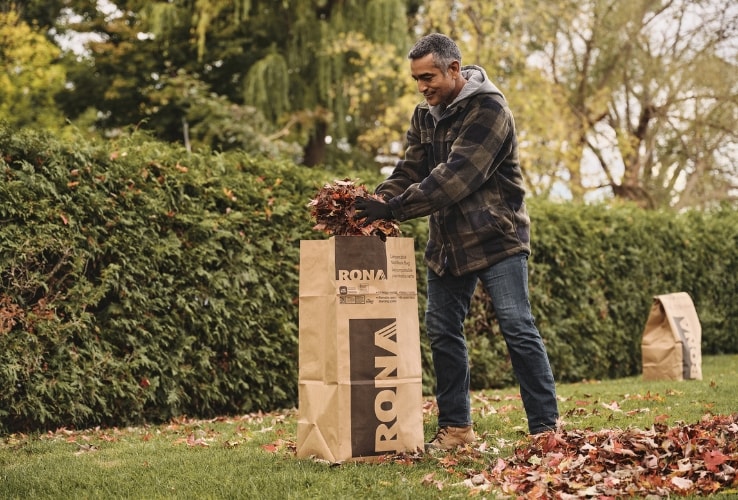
pixel 374 358
pixel 360 258
pixel 361 274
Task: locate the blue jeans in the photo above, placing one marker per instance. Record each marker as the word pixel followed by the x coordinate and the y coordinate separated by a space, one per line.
pixel 449 298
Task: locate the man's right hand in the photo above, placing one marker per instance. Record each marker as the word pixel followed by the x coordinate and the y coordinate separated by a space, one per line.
pixel 370 210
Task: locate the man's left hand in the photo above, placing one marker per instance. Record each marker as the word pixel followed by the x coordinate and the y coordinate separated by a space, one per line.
pixel 371 210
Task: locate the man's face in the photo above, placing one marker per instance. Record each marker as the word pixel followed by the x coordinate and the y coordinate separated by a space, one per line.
pixel 437 86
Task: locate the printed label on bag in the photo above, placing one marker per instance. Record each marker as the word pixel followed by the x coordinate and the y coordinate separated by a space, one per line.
pixel 690 363
pixel 374 358
pixel 403 266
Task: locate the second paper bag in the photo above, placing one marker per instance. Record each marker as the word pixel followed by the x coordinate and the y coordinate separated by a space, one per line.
pixel 671 346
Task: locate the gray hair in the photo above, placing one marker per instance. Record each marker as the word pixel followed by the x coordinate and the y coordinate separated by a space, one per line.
pixel 444 50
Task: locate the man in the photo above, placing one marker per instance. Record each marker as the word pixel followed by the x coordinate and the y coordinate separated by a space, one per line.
pixel 461 168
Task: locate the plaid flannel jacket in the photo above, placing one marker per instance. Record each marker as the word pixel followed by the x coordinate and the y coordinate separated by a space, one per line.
pixel 463 172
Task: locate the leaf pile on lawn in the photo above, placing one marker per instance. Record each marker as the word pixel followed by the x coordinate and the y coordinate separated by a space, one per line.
pixel 697 459
pixel 333 211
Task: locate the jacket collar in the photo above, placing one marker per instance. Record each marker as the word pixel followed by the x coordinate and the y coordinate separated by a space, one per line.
pixel 477 82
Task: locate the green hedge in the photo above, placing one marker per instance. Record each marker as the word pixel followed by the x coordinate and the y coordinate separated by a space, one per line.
pixel 139 282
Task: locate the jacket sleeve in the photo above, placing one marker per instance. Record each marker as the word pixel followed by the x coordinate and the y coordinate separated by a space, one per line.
pixel 483 141
pixel 413 168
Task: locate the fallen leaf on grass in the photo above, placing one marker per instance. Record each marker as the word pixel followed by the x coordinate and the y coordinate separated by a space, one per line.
pixel 85 448
pixel 508 408
pixel 713 458
pixel 637 411
pixel 646 397
pixel 478 483
pixel 408 458
pixel 271 447
pixel 280 445
pixel 614 406
pixel 429 479
pixel 191 440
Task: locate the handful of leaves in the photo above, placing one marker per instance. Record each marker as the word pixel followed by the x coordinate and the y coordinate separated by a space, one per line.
pixel 333 211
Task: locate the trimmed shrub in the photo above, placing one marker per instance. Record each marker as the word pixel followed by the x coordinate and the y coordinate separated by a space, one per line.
pixel 140 282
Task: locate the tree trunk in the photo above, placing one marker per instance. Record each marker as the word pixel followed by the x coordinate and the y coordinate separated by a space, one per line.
pixel 314 151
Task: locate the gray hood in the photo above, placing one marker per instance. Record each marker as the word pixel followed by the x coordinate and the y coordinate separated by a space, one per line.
pixel 477 82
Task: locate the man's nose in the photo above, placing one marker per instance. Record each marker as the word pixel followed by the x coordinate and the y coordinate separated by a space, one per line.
pixel 422 87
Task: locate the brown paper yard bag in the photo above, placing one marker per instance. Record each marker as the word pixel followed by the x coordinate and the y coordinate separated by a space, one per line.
pixel 359 388
pixel 671 346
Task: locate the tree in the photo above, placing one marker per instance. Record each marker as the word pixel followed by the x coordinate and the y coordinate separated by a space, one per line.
pixel 651 86
pixel 294 61
pixel 212 121
pixel 123 63
pixel 333 71
pixel 628 99
pixel 30 75
pixel 41 13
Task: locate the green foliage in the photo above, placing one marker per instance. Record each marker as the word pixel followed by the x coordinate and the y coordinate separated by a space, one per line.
pixel 209 121
pixel 267 85
pixel 29 75
pixel 139 282
pixel 292 61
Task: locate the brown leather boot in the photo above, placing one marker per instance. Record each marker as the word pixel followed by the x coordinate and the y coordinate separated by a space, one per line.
pixel 448 438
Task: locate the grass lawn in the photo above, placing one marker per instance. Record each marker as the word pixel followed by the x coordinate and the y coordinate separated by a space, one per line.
pixel 252 456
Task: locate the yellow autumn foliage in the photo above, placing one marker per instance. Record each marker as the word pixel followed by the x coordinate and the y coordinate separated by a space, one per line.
pixel 30 75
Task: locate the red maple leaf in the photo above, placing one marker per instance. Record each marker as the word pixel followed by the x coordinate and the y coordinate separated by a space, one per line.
pixel 271 447
pixel 714 458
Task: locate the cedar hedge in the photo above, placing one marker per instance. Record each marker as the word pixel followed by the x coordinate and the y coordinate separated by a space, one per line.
pixel 139 282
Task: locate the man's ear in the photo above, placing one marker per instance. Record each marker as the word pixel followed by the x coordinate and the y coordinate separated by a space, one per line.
pixel 454 68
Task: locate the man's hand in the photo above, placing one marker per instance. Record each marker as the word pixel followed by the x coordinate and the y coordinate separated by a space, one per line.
pixel 371 210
